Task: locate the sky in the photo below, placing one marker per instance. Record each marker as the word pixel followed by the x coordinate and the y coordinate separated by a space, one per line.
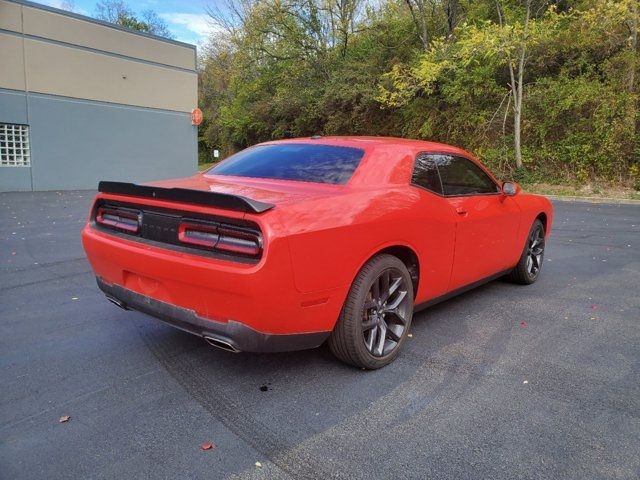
pixel 187 20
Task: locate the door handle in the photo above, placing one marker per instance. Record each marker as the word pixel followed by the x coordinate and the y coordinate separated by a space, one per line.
pixel 461 211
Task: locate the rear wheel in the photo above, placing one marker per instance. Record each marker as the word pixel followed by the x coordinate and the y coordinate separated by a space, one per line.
pixel 530 263
pixel 376 316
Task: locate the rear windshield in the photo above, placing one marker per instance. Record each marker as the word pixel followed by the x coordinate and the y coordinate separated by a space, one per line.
pixel 293 161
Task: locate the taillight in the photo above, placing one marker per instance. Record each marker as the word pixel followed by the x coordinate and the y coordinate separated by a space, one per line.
pixel 119 219
pixel 198 234
pixel 238 241
pixel 221 237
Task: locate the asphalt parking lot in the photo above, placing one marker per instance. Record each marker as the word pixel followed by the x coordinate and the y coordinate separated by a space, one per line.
pixel 502 382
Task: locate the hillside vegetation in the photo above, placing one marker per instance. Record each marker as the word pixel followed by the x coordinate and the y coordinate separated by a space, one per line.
pixel 539 90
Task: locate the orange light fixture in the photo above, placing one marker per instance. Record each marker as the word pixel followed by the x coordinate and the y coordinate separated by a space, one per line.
pixel 196 116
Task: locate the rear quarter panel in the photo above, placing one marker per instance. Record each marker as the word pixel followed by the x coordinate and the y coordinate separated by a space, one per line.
pixel 331 239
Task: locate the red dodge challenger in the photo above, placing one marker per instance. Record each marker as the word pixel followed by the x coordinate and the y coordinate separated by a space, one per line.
pixel 288 244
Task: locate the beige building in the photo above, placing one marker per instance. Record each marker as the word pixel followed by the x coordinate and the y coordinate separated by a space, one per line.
pixel 83 100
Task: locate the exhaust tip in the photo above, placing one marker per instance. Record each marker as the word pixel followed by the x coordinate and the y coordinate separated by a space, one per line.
pixel 117 302
pixel 224 345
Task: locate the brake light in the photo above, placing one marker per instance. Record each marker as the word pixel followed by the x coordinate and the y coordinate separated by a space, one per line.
pixel 238 241
pixel 197 234
pixel 119 219
pixel 221 237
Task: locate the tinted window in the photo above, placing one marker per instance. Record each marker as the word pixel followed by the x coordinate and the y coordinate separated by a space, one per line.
pixel 463 177
pixel 425 173
pixel 289 161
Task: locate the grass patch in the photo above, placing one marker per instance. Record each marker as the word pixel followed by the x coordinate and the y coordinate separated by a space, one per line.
pixel 204 166
pixel 593 190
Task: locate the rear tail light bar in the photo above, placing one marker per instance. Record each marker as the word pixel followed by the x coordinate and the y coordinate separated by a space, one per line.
pixel 199 235
pixel 214 236
pixel 119 219
pixel 221 237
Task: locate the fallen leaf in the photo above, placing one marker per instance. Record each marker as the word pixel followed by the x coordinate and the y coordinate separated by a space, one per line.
pixel 64 419
pixel 524 324
pixel 258 464
pixel 207 446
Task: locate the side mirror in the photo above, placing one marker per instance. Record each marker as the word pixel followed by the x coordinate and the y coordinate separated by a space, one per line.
pixel 509 189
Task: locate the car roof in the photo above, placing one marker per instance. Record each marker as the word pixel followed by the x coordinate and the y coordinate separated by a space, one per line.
pixel 378 167
pixel 367 143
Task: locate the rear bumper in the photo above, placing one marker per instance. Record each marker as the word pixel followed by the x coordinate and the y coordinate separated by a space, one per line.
pixel 261 297
pixel 239 336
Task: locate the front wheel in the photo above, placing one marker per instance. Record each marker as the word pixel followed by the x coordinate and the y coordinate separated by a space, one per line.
pixel 376 315
pixel 530 263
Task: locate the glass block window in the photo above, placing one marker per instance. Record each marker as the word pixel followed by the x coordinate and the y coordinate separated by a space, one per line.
pixel 14 145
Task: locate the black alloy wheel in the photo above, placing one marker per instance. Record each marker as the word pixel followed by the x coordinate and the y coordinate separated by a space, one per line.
pixel 384 313
pixel 535 251
pixel 528 268
pixel 376 316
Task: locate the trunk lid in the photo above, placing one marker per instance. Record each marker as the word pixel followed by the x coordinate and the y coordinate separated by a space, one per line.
pixel 276 192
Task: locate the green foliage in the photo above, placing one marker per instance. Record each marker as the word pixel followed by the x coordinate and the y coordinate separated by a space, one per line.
pixel 129 21
pixel 118 12
pixel 304 67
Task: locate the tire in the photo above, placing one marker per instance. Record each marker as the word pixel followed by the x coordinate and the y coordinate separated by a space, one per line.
pixel 528 268
pixel 371 330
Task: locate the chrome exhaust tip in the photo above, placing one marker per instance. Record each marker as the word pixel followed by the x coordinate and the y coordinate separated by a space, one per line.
pixel 117 302
pixel 224 345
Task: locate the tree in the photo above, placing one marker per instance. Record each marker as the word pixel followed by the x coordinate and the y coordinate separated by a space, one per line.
pixel 119 13
pixel 633 26
pixel 516 60
pixel 342 17
pixel 435 18
pixel 111 10
pixel 419 13
pixel 468 69
pixel 539 89
pixel 155 24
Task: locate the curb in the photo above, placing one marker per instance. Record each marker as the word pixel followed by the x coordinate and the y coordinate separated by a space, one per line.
pixel 618 201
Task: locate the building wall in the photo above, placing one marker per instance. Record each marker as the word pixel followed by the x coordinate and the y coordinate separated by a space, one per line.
pixel 101 103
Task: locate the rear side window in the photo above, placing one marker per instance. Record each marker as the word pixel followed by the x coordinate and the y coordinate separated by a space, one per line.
pixel 425 173
pixel 461 176
pixel 293 161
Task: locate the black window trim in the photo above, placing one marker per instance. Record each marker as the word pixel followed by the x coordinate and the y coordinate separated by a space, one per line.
pixel 442 195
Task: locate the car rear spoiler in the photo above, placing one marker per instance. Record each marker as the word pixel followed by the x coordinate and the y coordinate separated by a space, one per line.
pixel 199 197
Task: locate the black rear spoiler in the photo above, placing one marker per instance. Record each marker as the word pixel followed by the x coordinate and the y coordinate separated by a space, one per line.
pixel 199 197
